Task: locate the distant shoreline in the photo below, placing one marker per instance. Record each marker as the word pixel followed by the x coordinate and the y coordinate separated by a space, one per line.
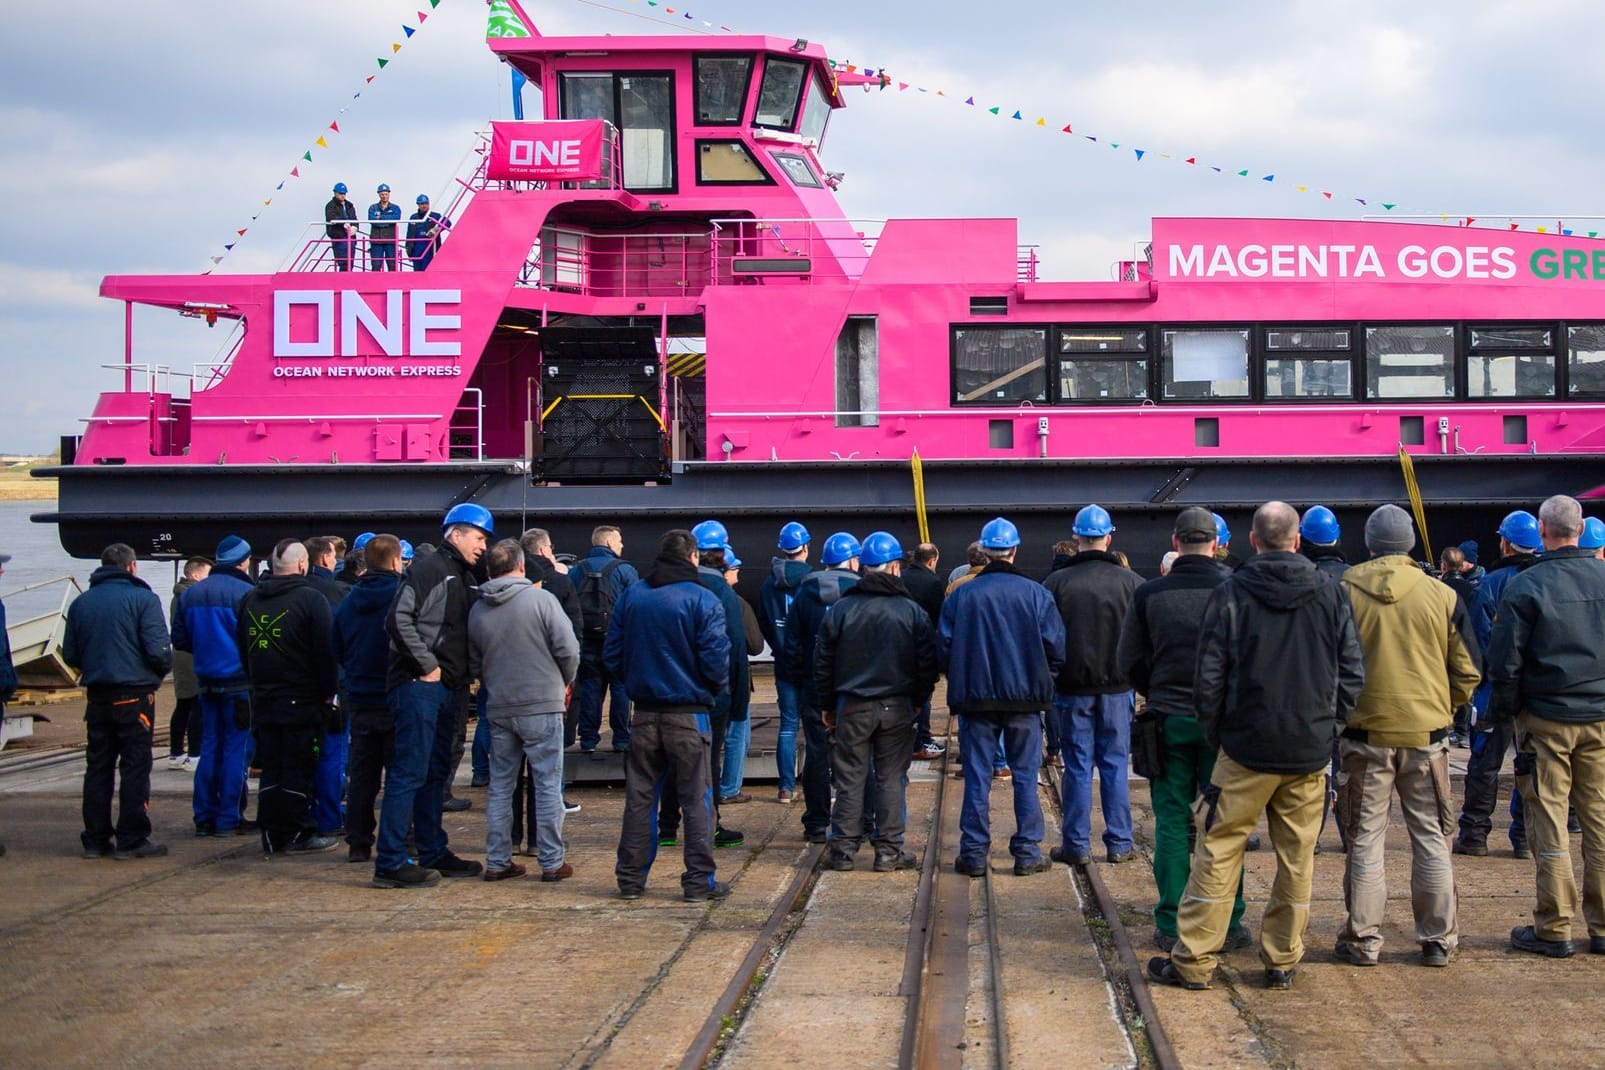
pixel 27 490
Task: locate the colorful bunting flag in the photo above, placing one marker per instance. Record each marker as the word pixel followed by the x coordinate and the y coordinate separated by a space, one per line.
pixel 335 126
pixel 409 29
pixel 1138 152
pixel 322 144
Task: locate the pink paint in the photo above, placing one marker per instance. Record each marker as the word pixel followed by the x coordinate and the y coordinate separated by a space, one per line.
pixel 546 152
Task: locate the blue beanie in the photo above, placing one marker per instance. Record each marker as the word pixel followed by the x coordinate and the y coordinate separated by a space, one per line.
pixel 1469 548
pixel 231 551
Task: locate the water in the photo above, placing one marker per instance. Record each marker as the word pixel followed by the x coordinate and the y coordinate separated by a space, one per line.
pixel 37 556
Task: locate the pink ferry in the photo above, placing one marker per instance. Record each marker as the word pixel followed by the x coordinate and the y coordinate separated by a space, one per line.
pixel 649 308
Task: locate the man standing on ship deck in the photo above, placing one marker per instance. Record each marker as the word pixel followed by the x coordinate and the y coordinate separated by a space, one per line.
pixel 340 215
pixel 382 232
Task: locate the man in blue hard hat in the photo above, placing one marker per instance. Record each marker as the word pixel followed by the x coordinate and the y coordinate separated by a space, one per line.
pixel 424 233
pixel 732 703
pixel 875 665
pixel 1319 535
pixel 1593 537
pixel 427 682
pixel 1223 544
pixel 601 578
pixel 382 219
pixel 786 573
pixel 1093 701
pixel 1002 645
pixel 1519 545
pixel 340 218
pixel 815 595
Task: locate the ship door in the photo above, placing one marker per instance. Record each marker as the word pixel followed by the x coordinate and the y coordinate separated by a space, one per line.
pixel 601 407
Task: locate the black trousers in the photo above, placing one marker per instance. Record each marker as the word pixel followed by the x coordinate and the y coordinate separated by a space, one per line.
pixel 185 726
pixel 288 755
pixel 870 751
pixel 373 749
pixel 665 745
pixel 669 804
pixel 119 729
pixel 1488 750
pixel 459 742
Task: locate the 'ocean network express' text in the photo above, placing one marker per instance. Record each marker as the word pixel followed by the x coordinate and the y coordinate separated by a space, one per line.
pixel 1252 261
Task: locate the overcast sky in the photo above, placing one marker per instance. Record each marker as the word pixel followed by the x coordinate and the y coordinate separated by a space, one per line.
pixel 138 137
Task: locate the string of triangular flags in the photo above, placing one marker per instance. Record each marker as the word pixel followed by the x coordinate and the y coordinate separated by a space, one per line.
pixel 321 141
pixel 660 11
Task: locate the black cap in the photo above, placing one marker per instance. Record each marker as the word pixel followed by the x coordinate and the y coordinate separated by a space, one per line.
pixel 1195 524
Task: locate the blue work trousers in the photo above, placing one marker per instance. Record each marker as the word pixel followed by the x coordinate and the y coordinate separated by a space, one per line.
pixel 329 786
pixel 219 795
pixel 1095 735
pixel 595 683
pixel 426 721
pixel 1022 742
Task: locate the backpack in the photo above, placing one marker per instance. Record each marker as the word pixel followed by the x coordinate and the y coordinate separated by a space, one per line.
pixel 597 597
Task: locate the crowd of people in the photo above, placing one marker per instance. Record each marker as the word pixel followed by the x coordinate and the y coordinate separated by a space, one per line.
pixel 1289 685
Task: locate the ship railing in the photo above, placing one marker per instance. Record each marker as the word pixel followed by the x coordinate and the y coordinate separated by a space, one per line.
pixel 612 167
pixel 147 378
pixel 362 252
pixel 746 251
pixel 612 264
pixel 465 437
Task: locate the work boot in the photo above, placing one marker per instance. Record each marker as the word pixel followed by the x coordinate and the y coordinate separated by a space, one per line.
pixel 1519 849
pixel 457 805
pixel 359 854
pixel 410 875
pixel 1115 857
pixel 1434 954
pixel 449 865
pixel 1526 938
pixel 1164 972
pixel 969 869
pixel 561 873
pixel 723 837
pixel 98 850
pixel 1237 938
pixel 1026 869
pixel 1065 856
pixel 889 862
pixel 309 844
pixel 1164 941
pixel 715 890
pixel 1253 843
pixel 1596 945
pixel 1280 980
pixel 144 849
pixel 505 873
pixel 1475 848
pixel 840 861
pixel 1345 952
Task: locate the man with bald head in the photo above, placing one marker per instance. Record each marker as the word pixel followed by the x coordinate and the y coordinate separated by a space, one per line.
pixel 1279 669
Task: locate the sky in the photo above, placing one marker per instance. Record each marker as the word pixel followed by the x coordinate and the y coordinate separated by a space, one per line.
pixel 137 138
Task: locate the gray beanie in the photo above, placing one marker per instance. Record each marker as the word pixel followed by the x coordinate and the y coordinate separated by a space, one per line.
pixel 1388 530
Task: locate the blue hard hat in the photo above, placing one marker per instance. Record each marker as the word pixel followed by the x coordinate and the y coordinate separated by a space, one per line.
pixel 730 558
pixel 1521 529
pixel 840 547
pixel 384 187
pixel 710 535
pixel 999 534
pixel 470 513
pixel 794 537
pixel 423 198
pixel 1223 534
pixel 880 548
pixel 1093 522
pixel 406 550
pixel 1319 525
pixel 363 540
pixel 340 187
pixel 1593 536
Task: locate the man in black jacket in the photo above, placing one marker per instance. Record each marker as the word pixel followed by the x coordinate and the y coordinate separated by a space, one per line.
pixel 927 589
pixel 1546 663
pixel 1279 668
pixel 362 648
pixel 1158 651
pixel 875 663
pixel 284 635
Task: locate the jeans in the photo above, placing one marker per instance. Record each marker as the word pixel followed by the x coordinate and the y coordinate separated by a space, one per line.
pixel 1095 732
pixel 220 779
pixel 342 253
pixel 539 737
pixel 382 251
pixel 119 742
pixel 426 722
pixel 922 725
pixel 1022 740
pixel 479 758
pixel 329 787
pixel 736 738
pixel 593 683
pixel 789 698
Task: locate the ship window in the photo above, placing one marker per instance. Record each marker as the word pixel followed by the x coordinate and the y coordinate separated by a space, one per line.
pixel 999 365
pixel 816 112
pixel 589 96
pixel 1585 365
pixel 1511 362
pixel 1209 363
pixel 1103 364
pixel 796 169
pixel 858 373
pixel 728 163
pixel 777 100
pixel 721 92
pixel 1409 362
pixel 642 107
pixel 1308 363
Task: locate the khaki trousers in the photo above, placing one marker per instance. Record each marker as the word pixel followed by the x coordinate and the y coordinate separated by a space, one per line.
pixel 1367 779
pixel 1557 761
pixel 1225 814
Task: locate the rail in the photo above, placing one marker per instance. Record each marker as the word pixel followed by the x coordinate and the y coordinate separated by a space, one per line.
pixel 748 251
pixel 612 264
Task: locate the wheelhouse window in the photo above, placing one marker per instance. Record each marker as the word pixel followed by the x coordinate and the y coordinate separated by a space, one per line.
pixel 777 99
pixel 642 107
pixel 1511 362
pixel 728 163
pixel 1301 362
pixel 999 365
pixel 1103 364
pixel 1410 361
pixel 1585 360
pixel 816 112
pixel 1205 363
pixel 721 92
pixel 797 169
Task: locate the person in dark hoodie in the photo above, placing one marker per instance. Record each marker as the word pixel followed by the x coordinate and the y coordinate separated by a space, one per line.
pixel 328 798
pixel 118 640
pixel 184 729
pixel 362 648
pixel 667 641
pixel 786 573
pixel 875 663
pixel 285 645
pixel 1093 700
pixel 928 590
pixel 1279 669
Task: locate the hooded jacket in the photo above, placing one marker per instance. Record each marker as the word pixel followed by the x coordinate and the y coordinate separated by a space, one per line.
pixel 1421 658
pixel 522 647
pixel 1279 665
pixel 1329 559
pixel 323 581
pixel 559 587
pixel 667 640
pixel 361 645
pixel 205 625
pixel 877 642
pixel 1093 592
pixel 1001 642
pixel 1485 609
pixel 1546 653
pixel 285 641
pixel 116 635
pixel 927 590
pixel 815 595
pixel 736 633
pixel 1158 648
pixel 184 683
pixel 428 622
pixel 774 606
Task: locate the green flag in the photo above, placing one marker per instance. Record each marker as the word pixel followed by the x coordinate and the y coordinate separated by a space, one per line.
pixel 504 21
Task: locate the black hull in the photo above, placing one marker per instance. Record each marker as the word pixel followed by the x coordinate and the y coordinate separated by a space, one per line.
pixel 169 511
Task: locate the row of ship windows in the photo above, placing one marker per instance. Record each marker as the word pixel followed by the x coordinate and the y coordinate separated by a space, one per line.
pixel 1382 362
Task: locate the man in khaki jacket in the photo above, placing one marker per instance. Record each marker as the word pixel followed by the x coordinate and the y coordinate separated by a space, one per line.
pixel 1420 663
